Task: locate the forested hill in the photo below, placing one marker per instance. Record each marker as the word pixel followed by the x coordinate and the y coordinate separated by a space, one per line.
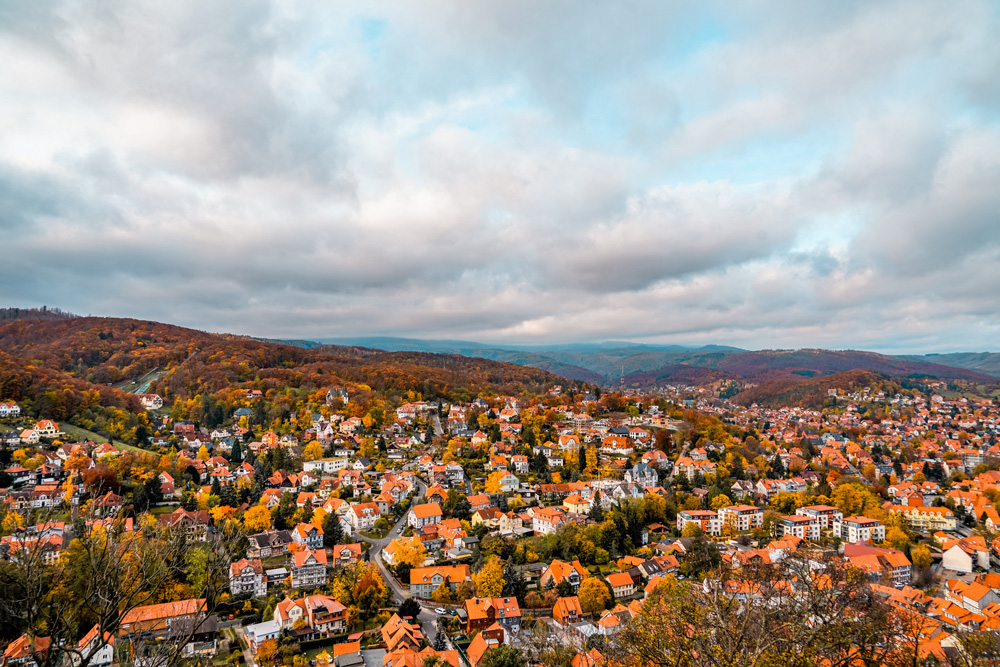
pixel 813 393
pixel 112 351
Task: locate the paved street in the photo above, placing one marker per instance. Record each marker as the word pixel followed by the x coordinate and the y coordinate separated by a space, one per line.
pixel 427 618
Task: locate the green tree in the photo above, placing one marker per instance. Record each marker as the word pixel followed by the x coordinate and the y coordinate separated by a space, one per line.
pixel 702 556
pixel 504 656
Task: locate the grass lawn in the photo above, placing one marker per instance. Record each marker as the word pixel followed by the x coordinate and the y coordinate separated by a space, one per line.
pixel 162 509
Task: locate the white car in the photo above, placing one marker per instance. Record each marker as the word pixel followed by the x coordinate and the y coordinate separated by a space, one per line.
pixel 440 611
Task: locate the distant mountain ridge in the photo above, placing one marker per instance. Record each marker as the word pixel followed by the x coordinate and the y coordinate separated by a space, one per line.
pixel 981 362
pixel 645 366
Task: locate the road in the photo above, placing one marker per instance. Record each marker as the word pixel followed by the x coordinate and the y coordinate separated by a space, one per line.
pixel 427 617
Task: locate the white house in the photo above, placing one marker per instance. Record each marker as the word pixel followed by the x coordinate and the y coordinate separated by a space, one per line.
pixel 963 555
pixel 859 529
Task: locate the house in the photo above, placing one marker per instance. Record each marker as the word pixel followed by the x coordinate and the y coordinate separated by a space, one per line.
pixel 425 580
pixel 288 611
pixel 622 584
pixel 10 409
pixel 859 529
pixel 879 563
pixel 547 520
pixel 308 535
pixel 973 596
pixel 509 482
pixel 489 516
pixel 326 615
pixel 576 504
pixel 510 522
pixel 707 519
pixel 567 610
pixel 927 519
pixel 157 618
pixel 802 527
pixel 345 555
pixel 247 578
pixel 269 543
pixel 486 641
pixel 399 635
pixel 965 554
pixel 741 518
pixel 363 516
pixel 19 652
pixel 46 428
pixel 481 613
pixel 97 647
pixel 258 633
pixel 150 401
pixel 194 524
pixel 559 571
pixel 309 569
pixel 519 463
pixel 642 475
pixel 824 514
pixel 425 514
pixel 479 502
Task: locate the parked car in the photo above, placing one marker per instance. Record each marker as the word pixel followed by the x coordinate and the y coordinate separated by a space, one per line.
pixel 441 611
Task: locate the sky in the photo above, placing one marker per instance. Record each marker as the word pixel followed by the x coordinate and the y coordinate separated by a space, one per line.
pixel 773 174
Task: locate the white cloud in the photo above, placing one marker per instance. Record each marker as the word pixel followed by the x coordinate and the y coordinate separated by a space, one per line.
pixel 509 172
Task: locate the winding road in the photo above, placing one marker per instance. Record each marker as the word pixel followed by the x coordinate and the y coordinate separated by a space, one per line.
pixel 427 617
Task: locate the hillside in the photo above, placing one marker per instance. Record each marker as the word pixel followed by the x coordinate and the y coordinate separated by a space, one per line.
pixel 774 364
pixel 111 350
pixel 812 393
pixel 676 374
pixel 980 362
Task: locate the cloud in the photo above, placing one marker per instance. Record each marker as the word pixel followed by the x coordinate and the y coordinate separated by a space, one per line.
pixel 762 174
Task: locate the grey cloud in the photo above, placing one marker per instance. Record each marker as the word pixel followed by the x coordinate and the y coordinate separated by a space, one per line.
pixel 506 171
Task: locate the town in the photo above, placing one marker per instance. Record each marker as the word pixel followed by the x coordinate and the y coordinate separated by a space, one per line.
pixel 466 532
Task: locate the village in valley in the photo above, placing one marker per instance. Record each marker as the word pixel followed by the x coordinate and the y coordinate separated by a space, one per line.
pixel 506 528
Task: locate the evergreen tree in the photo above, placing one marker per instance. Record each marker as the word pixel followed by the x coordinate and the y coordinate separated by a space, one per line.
pixel 514 583
pixel 596 514
pixel 228 496
pixel 777 470
pixel 333 532
pixel 236 456
pixel 189 502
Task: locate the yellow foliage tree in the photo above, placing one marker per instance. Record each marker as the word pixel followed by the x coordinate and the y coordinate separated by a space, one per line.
pixel 410 551
pixel 443 594
pixel 257 519
pixel 312 451
pixel 921 556
pixel 895 538
pixel 594 595
pixel 203 453
pixel 720 501
pixel 691 529
pixel 266 650
pixel 489 580
pixel 223 513
pixel 591 460
pixel 493 481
